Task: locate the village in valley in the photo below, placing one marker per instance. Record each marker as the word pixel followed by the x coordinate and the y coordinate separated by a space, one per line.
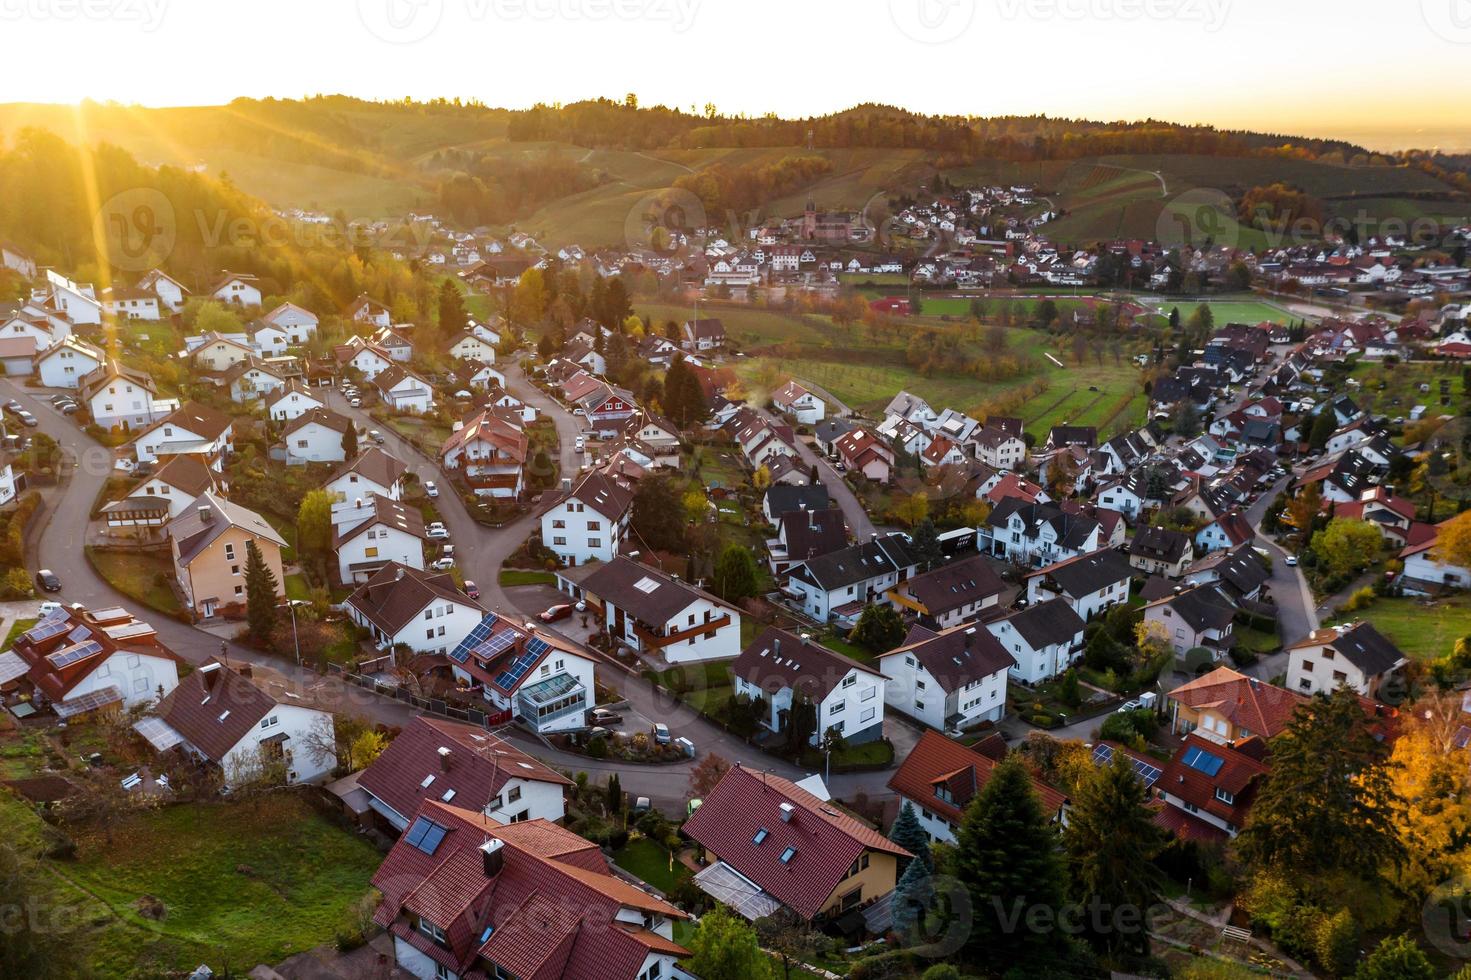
pixel 744 598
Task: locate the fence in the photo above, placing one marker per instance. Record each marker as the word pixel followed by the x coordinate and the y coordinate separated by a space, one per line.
pixel 434 706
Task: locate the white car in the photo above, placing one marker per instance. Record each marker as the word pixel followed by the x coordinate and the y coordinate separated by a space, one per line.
pixel 1291 561
pixel 47 608
pixel 437 532
pixel 442 564
pixel 355 402
pixel 430 490
pixel 579 445
pixel 124 465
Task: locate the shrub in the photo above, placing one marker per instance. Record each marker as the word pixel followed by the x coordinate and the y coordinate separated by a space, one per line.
pixel 1361 599
pixel 16 585
pixel 598 748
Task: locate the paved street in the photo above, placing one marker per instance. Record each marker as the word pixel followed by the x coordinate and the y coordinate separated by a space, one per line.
pixel 841 494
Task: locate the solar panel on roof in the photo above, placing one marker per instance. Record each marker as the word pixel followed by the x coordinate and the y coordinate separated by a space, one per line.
pixel 474 638
pixel 1202 761
pixel 426 835
pixel 90 701
pixel 508 678
pixel 1147 773
pixel 537 646
pixel 67 656
pixel 54 625
pixel 79 634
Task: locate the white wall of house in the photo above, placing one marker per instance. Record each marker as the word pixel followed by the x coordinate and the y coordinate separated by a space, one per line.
pixel 123 402
pixel 315 443
pixel 137 675
pixel 1425 568
pixel 64 368
pixel 577 541
pixel 437 628
pixel 294 405
pixel 1034 665
pixel 935 825
pixel 913 690
pixel 1086 606
pixel 380 544
pixel 528 799
pixel 147 446
pixel 355 486
pixel 298 723
pixel 239 293
pixel 220 355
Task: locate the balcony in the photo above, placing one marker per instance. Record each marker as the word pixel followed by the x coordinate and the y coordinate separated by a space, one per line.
pixel 658 641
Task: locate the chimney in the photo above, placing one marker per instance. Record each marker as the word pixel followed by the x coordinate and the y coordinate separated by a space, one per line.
pixel 492 857
pixel 444 754
pixel 244 670
pixel 787 812
pixel 206 514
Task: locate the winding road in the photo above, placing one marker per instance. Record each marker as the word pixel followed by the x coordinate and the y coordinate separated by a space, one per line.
pixel 481 552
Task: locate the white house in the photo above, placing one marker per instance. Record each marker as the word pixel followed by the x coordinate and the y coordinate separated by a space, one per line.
pixel 404 391
pixel 1425 571
pixel 17 259
pixel 297 324
pixel 368 533
pixel 369 311
pixel 372 472
pixel 780 667
pixel 1090 583
pixel 172 293
pixel 801 405
pixel 191 428
pixel 489 453
pixel 401 604
pixel 66 362
pixel 7 479
pixel 217 352
pixel 472 347
pixel 839 585
pixel 645 609
pixel 236 288
pixel 366 358
pixel 79 660
pixel 116 395
pixel 541 678
pixel 292 401
pixel 180 482
pixel 77 301
pixel 950 679
pixel 127 303
pixel 1038 534
pixel 252 380
pixel 437 759
pixel 316 436
pixel 245 722
pixel 590 523
pixel 1044 640
pixel 270 341
pixel 1356 656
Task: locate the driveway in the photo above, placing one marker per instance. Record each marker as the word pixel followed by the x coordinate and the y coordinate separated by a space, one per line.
pixel 1297 613
pixel 858 520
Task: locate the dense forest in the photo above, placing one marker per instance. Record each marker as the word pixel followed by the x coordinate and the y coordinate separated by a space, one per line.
pixel 624 125
pixel 99 214
pixel 483 190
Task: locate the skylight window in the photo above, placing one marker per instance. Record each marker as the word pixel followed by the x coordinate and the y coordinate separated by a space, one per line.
pixel 449 794
pixel 427 780
pixel 646 584
pixel 760 836
pixel 426 835
pixel 788 854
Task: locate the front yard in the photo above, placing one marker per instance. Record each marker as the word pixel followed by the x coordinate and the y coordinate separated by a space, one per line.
pixel 1425 630
pixel 239 883
pixel 650 861
pixel 143 576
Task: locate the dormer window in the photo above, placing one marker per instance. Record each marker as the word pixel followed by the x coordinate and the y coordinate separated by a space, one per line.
pixel 1225 797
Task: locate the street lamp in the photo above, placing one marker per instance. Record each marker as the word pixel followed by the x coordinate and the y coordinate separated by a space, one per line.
pixel 291 604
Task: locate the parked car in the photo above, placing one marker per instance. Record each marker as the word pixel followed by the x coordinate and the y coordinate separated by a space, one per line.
pixel 58 399
pixel 26 418
pixel 442 564
pixel 48 607
pixel 554 613
pixel 436 532
pixel 355 403
pixel 1291 561
pixel 642 805
pixel 1133 704
pixel 579 445
pixel 14 407
pixel 376 436
pixel 430 490
pixel 471 589
pixel 661 733
pixel 48 581
pixel 602 716
pixel 598 732
pixel 67 408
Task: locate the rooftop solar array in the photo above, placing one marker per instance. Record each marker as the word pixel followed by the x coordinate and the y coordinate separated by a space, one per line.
pixel 90 701
pixel 67 656
pixel 12 666
pixel 53 625
pixel 1147 773
pixel 474 638
pixel 426 835
pixel 82 632
pixel 1200 760
pixel 512 675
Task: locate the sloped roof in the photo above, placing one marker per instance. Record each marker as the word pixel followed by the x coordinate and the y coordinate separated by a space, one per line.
pixel 373 464
pixel 1259 708
pixel 956 584
pixel 195 532
pixel 937 760
pixel 777 660
pixel 824 840
pixel 957 656
pixel 395 594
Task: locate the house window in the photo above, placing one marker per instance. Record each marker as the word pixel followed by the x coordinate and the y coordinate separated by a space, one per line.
pixel 760 836
pixel 431 930
pixel 850 680
pixel 239 590
pixel 1225 797
pixel 514 794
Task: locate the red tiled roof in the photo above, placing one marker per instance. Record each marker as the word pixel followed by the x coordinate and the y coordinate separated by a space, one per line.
pixel 1259 708
pixel 935 757
pixel 827 841
pixel 1236 775
pixel 477 767
pixel 549 911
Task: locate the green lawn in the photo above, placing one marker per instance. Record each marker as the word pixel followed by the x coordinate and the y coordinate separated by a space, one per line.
pixel 16 629
pixel 297 588
pixel 241 883
pixel 21 755
pixel 142 575
pixel 1248 311
pixel 1394 389
pixel 652 863
pixel 517 576
pixel 1424 630
pixel 704 686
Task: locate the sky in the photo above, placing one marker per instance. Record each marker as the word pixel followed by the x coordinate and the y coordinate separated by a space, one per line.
pixel 1385 73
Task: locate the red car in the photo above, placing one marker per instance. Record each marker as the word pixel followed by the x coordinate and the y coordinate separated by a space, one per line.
pixel 554 613
pixel 471 589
